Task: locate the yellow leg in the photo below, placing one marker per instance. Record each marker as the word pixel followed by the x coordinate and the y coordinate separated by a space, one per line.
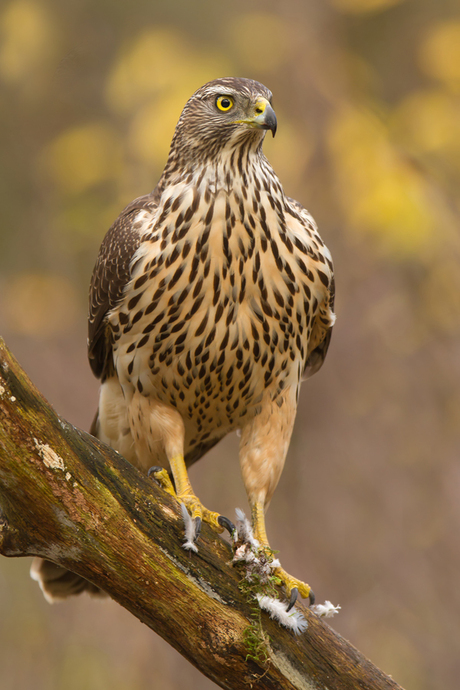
pixel 290 583
pixel 258 523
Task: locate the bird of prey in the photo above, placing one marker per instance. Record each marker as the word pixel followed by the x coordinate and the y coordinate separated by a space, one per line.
pixel 211 298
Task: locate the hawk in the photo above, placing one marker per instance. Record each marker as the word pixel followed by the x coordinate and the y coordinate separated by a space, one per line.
pixel 211 299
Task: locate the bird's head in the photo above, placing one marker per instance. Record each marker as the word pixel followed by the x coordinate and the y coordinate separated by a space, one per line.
pixel 223 114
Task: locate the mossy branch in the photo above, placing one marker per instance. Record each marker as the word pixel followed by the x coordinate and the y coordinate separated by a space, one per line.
pixel 66 497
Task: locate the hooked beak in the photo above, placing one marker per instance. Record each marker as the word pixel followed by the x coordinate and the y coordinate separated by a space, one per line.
pixel 264 116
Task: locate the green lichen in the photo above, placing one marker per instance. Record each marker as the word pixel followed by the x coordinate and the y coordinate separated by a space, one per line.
pixel 257 582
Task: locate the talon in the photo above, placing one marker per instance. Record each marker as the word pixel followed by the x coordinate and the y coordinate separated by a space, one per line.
pixel 293 586
pixel 162 478
pixel 312 597
pixel 197 522
pixel 293 598
pixel 226 524
pixel 153 470
pixel 199 512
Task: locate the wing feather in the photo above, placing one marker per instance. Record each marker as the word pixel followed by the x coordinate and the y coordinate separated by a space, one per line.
pixel 110 275
pixel 317 356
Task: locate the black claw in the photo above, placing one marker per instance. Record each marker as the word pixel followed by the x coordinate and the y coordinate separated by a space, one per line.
pixel 312 597
pixel 293 598
pixel 226 524
pixel 197 528
pixel 154 470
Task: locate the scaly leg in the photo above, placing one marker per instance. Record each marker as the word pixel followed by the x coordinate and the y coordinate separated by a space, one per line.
pixel 292 585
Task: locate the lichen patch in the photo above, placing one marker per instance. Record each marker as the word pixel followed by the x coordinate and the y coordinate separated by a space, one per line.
pixel 50 458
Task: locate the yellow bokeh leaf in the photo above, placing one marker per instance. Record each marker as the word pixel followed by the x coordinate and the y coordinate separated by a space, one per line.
pixel 393 209
pixel 440 53
pixel 428 121
pixel 152 129
pixel 28 40
pixel 261 40
pixel 381 193
pixel 150 64
pixel 82 157
pixel 363 6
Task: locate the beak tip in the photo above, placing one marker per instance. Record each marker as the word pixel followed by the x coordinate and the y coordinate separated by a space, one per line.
pixel 270 121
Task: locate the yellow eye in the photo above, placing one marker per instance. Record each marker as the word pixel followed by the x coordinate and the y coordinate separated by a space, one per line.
pixel 224 103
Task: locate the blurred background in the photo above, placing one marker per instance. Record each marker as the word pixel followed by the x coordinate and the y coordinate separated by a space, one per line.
pixel 367 94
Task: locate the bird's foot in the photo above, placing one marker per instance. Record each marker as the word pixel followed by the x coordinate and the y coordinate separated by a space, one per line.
pixel 193 504
pixel 198 511
pixel 294 587
pixel 201 514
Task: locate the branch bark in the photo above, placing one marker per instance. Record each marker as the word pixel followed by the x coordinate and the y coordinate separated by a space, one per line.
pixel 68 498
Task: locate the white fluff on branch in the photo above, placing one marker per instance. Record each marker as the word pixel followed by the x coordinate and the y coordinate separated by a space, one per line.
pixel 190 530
pixel 277 610
pixel 244 529
pixel 326 610
pixel 242 553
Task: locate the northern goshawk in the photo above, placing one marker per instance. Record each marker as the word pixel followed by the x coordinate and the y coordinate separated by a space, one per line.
pixel 212 297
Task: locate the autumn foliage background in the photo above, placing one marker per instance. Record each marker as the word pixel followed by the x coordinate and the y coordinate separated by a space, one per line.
pixel 367 94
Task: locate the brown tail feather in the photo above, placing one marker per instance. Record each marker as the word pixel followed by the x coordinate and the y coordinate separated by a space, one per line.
pixel 58 583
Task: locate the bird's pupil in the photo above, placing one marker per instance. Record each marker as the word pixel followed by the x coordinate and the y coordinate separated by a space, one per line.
pixel 225 103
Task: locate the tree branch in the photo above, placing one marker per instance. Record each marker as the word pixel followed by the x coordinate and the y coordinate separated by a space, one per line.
pixel 68 498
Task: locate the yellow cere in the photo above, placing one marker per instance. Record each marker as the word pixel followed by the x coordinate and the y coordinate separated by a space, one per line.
pixel 261 105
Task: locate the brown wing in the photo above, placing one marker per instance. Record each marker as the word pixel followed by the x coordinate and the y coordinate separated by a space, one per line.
pixel 317 356
pixel 111 273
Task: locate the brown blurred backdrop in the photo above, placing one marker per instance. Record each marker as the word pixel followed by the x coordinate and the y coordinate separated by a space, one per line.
pixel 367 94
